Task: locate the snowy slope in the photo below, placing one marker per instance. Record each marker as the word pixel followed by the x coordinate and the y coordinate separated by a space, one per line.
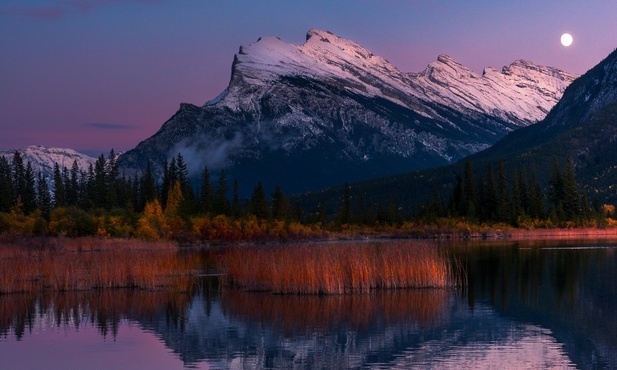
pixel 522 92
pixel 330 111
pixel 43 159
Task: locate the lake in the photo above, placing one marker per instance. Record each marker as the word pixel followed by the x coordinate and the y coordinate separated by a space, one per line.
pixel 525 305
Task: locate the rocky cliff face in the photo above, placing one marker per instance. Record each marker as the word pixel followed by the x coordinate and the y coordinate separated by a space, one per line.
pixel 330 111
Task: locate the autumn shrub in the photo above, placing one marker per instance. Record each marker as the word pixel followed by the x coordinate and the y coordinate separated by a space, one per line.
pixel 72 222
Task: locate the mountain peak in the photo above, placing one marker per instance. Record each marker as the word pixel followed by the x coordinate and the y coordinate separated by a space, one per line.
pixel 332 106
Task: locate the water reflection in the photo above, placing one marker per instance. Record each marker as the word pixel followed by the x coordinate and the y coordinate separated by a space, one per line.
pixel 525 307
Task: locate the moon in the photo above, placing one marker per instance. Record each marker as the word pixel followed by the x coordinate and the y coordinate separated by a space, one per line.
pixel 566 39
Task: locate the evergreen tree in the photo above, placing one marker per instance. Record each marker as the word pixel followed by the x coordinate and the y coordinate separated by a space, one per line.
pixel 516 203
pixel 43 196
pixel 503 212
pixel 207 193
pixel 59 193
pixel 7 193
pixel 259 204
pixel 188 206
pixel 165 183
pixel 346 206
pixel 523 193
pixel 279 206
pixel 491 200
pixel 456 204
pixel 236 208
pixel 19 176
pixel 536 196
pixel 570 202
pixel 111 181
pixel 28 196
pixel 100 183
pixel 221 204
pixel 555 191
pixel 148 187
pixel 72 188
pixel 468 192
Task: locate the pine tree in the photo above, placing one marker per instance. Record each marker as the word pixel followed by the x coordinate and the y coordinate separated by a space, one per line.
pixel 555 191
pixel 19 178
pixel 100 183
pixel 570 200
pixel 516 203
pixel 491 200
pixel 59 193
pixel 346 206
pixel 188 206
pixel 43 196
pixel 236 208
pixel 111 181
pixel 166 184
pixel 207 193
pixel 148 187
pixel 503 195
pixel 28 196
pixel 72 190
pixel 468 193
pixel 536 196
pixel 6 185
pixel 259 204
pixel 279 207
pixel 221 204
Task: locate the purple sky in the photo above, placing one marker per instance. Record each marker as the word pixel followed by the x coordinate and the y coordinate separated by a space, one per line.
pixel 99 74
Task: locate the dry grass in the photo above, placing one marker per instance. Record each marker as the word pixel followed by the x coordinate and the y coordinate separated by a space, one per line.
pixel 338 268
pixel 91 263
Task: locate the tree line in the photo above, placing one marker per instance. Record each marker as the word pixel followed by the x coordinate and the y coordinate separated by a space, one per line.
pixel 101 200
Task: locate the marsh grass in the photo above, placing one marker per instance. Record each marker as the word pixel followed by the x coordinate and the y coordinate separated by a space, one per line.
pixel 92 263
pixel 339 268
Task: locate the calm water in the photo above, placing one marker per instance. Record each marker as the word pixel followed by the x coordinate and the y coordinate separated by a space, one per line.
pixel 526 306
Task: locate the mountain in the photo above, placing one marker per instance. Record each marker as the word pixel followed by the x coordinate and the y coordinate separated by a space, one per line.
pixel 43 158
pixel 582 126
pixel 330 111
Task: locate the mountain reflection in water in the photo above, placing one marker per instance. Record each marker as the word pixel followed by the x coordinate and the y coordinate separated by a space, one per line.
pixel 538 307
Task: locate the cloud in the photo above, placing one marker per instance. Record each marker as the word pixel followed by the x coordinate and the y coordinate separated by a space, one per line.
pixel 64 8
pixel 215 154
pixel 110 126
pixel 42 13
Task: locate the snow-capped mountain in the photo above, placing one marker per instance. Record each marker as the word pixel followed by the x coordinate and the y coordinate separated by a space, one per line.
pixel 43 158
pixel 330 111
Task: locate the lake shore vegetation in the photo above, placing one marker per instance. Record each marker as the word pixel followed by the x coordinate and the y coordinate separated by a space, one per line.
pixel 101 202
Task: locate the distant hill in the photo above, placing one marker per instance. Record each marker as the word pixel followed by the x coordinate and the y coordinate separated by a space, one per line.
pixel 43 158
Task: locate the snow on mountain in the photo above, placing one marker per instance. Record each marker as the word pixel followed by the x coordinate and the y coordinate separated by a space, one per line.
pixel 522 92
pixel 43 158
pixel 330 111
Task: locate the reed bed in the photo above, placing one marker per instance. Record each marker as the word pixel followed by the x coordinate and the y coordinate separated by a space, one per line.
pixel 338 268
pixel 92 263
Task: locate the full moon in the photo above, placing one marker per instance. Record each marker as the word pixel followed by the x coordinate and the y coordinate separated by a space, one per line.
pixel 566 39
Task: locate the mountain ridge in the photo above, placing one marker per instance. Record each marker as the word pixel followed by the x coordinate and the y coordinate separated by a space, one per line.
pixel 345 114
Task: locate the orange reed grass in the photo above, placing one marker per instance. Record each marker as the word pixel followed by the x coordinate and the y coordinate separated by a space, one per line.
pixel 338 268
pixel 92 263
